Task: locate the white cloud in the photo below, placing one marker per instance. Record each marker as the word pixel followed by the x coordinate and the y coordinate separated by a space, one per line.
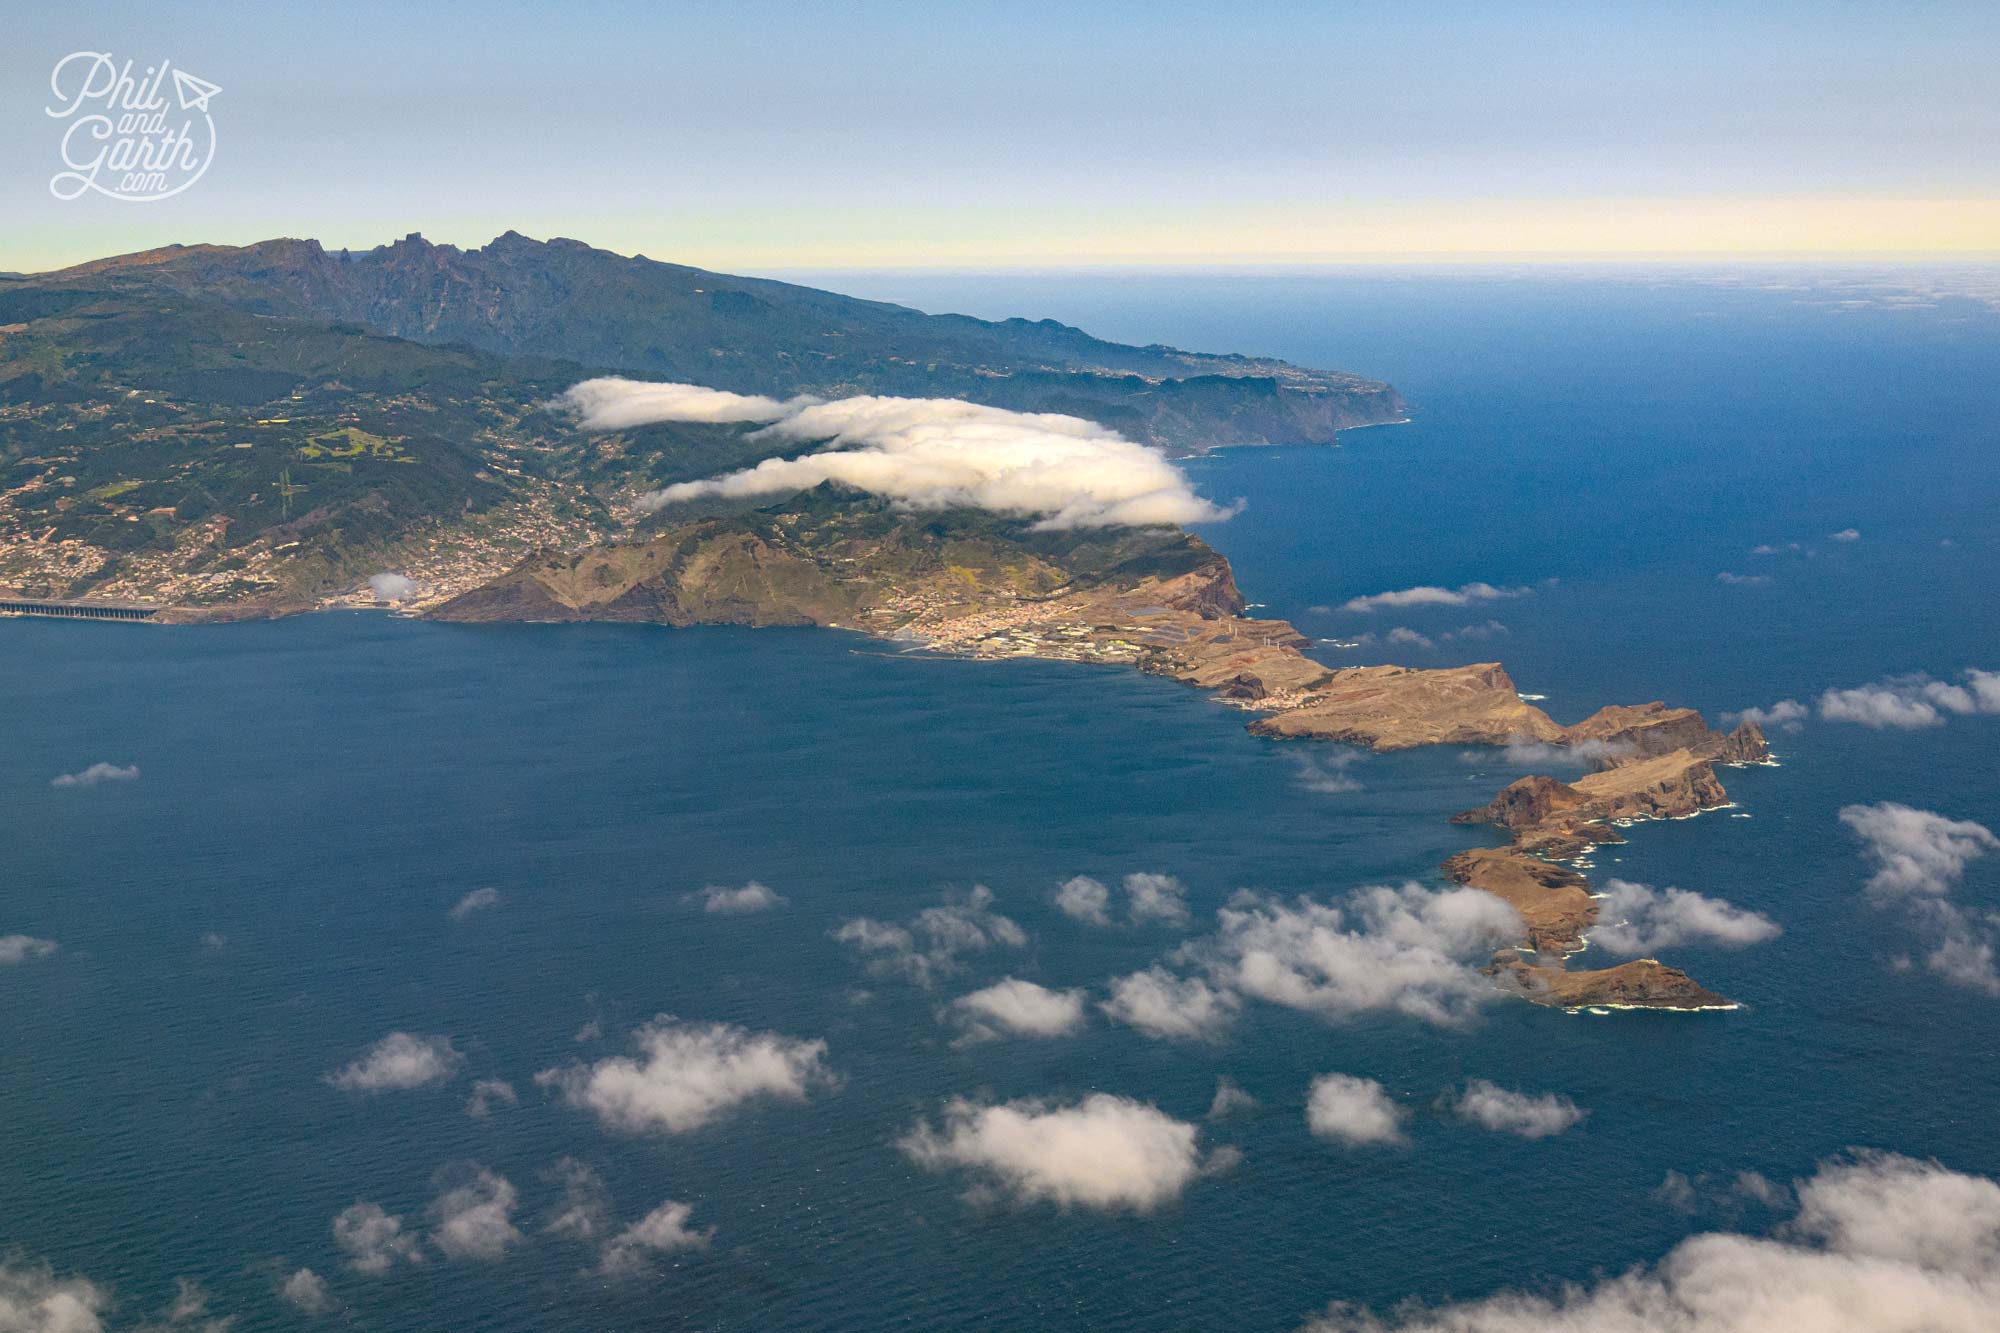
pixel 927 453
pixel 1880 1244
pixel 1485 630
pixel 391 587
pixel 473 1219
pixel 688 1075
pixel 1152 897
pixel 665 1230
pixel 1916 851
pixel 190 1301
pixel 1920 857
pixel 1531 1117
pixel 96 773
pixel 400 1060
pixel 585 1208
pixel 1912 701
pixel 374 1238
pixel 1228 1100
pixel 1103 1152
pixel 1519 753
pixel 1326 773
pixel 1018 1008
pixel 1742 580
pixel 20 948
pixel 475 901
pixel 1413 950
pixel 1356 1111
pixel 1085 899
pixel 929 947
pixel 1639 919
pixel 306 1292
pixel 752 897
pixel 488 1093
pixel 1404 636
pixel 1845 535
pixel 1429 595
pixel 34 1300
pixel 1160 1004
pixel 1786 714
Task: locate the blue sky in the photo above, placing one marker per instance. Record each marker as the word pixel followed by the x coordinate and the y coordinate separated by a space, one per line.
pixel 764 135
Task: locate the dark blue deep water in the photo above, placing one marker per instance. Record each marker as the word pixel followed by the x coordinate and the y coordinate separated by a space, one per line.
pixel 273 892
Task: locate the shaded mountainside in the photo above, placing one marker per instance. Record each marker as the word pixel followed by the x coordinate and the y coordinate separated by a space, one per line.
pixel 564 299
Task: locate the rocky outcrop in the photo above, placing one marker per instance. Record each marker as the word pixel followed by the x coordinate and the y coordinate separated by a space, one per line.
pixel 1643 983
pixel 1554 901
pixel 1397 708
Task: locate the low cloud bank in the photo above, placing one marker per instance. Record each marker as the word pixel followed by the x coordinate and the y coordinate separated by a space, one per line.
pixel 926 453
pixel 1410 949
pixel 1879 1244
pixel 1355 1111
pixel 399 1061
pixel 1149 897
pixel 96 773
pixel 1018 1008
pixel 1431 595
pixel 389 587
pixel 1913 701
pixel 1522 1114
pixel 1104 1152
pixel 306 1292
pixel 752 897
pixel 688 1075
pixel 1920 857
pixel 1640 919
pixel 1163 1005
pixel 20 948
pixel 473 1217
pixel 374 1239
pixel 1784 715
pixel 928 948
pixel 475 901
pixel 665 1230
pixel 34 1300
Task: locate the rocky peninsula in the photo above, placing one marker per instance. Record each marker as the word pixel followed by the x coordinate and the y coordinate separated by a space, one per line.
pixel 1163 601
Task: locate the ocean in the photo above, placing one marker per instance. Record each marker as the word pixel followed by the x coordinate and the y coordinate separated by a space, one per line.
pixel 274 891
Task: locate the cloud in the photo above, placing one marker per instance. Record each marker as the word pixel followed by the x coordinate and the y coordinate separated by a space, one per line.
pixel 374 1239
pixel 389 587
pixel 929 947
pixel 1786 715
pixel 96 773
pixel 688 1075
pixel 1879 1242
pixel 1915 852
pixel 1163 1005
pixel 665 1230
pixel 398 1061
pixel 1411 950
pixel 1153 897
pixel 1228 1100
pixel 1485 630
pixel 1530 1117
pixel 926 453
pixel 1354 1111
pixel 1912 701
pixel 1920 857
pixel 1104 1152
pixel 1014 1007
pixel 473 1219
pixel 34 1300
pixel 752 897
pixel 1518 753
pixel 306 1292
pixel 1429 595
pixel 1845 535
pixel 585 1208
pixel 20 948
pixel 1743 580
pixel 1084 899
pixel 1405 636
pixel 475 901
pixel 190 1301
pixel 1639 919
pixel 488 1093
pixel 1327 773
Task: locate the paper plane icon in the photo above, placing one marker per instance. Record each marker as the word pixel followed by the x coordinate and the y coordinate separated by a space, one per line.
pixel 194 93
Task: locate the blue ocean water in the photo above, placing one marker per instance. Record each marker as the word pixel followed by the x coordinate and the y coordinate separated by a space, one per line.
pixel 274 891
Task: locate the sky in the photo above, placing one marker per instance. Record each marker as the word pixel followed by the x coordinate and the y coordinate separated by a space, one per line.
pixel 762 136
